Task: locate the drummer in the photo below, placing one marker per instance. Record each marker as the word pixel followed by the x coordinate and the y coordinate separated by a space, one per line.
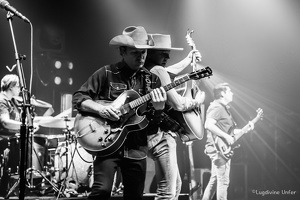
pixel 9 122
pixel 9 110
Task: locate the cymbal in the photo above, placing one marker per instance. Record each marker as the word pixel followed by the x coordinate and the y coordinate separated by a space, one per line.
pixel 40 103
pixel 66 122
pixel 65 113
pixel 50 136
pixel 35 102
pixel 38 119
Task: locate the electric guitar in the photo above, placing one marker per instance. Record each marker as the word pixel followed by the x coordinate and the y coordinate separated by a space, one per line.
pixel 226 151
pixel 103 137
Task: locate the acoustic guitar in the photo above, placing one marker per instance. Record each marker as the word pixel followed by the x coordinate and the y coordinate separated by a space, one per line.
pixel 103 137
pixel 191 120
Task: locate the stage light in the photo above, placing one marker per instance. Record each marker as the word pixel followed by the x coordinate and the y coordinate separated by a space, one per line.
pixel 70 65
pixel 60 68
pixel 57 64
pixel 57 80
pixel 70 81
pixel 54 65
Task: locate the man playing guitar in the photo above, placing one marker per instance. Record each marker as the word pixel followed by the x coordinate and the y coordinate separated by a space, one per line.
pixel 162 145
pixel 108 83
pixel 219 123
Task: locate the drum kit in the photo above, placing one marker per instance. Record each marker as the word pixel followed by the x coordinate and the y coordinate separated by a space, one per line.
pixel 56 162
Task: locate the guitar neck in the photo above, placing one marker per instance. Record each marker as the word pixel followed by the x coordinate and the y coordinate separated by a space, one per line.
pixel 139 101
pixel 245 129
pixel 205 72
pixel 239 134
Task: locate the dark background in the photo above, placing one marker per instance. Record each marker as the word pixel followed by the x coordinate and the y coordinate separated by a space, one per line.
pixel 254 45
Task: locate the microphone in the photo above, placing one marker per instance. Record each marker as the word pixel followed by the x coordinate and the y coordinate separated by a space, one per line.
pixel 4 4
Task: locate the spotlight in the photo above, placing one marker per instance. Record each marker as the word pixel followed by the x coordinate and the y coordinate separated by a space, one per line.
pixel 57 64
pixel 70 81
pixel 70 65
pixel 57 80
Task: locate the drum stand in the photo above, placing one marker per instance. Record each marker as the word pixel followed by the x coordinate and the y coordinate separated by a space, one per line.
pixel 31 170
pixel 69 139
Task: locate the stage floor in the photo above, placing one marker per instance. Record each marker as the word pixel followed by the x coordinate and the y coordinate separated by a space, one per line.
pixel 148 196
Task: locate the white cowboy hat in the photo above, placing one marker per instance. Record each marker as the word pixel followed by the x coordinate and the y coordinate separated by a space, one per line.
pixel 132 36
pixel 162 42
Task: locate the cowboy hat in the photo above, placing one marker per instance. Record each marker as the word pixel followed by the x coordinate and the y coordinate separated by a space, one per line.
pixel 162 42
pixel 132 36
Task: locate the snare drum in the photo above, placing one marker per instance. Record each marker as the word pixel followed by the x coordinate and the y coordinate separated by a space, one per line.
pixel 79 168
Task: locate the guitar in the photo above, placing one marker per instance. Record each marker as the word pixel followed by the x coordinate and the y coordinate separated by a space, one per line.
pixel 191 120
pixel 103 137
pixel 226 151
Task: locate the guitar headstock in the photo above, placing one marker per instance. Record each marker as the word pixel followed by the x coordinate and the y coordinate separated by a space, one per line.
pixel 189 39
pixel 259 115
pixel 202 73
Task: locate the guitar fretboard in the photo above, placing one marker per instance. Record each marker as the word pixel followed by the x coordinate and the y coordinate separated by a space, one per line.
pixel 139 101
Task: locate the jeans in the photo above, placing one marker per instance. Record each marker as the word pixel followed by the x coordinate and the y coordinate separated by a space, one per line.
pixel 166 169
pixel 219 180
pixel 133 176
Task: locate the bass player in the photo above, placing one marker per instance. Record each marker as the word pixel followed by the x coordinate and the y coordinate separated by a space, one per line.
pixel 219 123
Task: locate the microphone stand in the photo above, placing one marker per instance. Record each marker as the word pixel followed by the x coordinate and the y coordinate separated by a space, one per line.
pixel 26 116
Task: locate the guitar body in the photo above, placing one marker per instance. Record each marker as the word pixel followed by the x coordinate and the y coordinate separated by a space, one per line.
pixel 190 120
pixel 226 151
pixel 102 137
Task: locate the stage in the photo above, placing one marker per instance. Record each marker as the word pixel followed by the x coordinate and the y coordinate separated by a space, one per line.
pixel 147 196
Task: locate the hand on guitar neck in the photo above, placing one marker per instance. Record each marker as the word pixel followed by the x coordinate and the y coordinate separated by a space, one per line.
pixel 226 145
pixel 248 127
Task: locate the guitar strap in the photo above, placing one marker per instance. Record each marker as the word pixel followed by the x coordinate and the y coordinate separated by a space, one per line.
pixel 148 89
pixel 167 123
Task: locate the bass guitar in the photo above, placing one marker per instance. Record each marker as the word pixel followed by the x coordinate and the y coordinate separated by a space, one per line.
pixel 225 150
pixel 103 137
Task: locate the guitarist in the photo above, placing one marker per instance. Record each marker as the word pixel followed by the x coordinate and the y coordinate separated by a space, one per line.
pixel 162 146
pixel 107 83
pixel 219 123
